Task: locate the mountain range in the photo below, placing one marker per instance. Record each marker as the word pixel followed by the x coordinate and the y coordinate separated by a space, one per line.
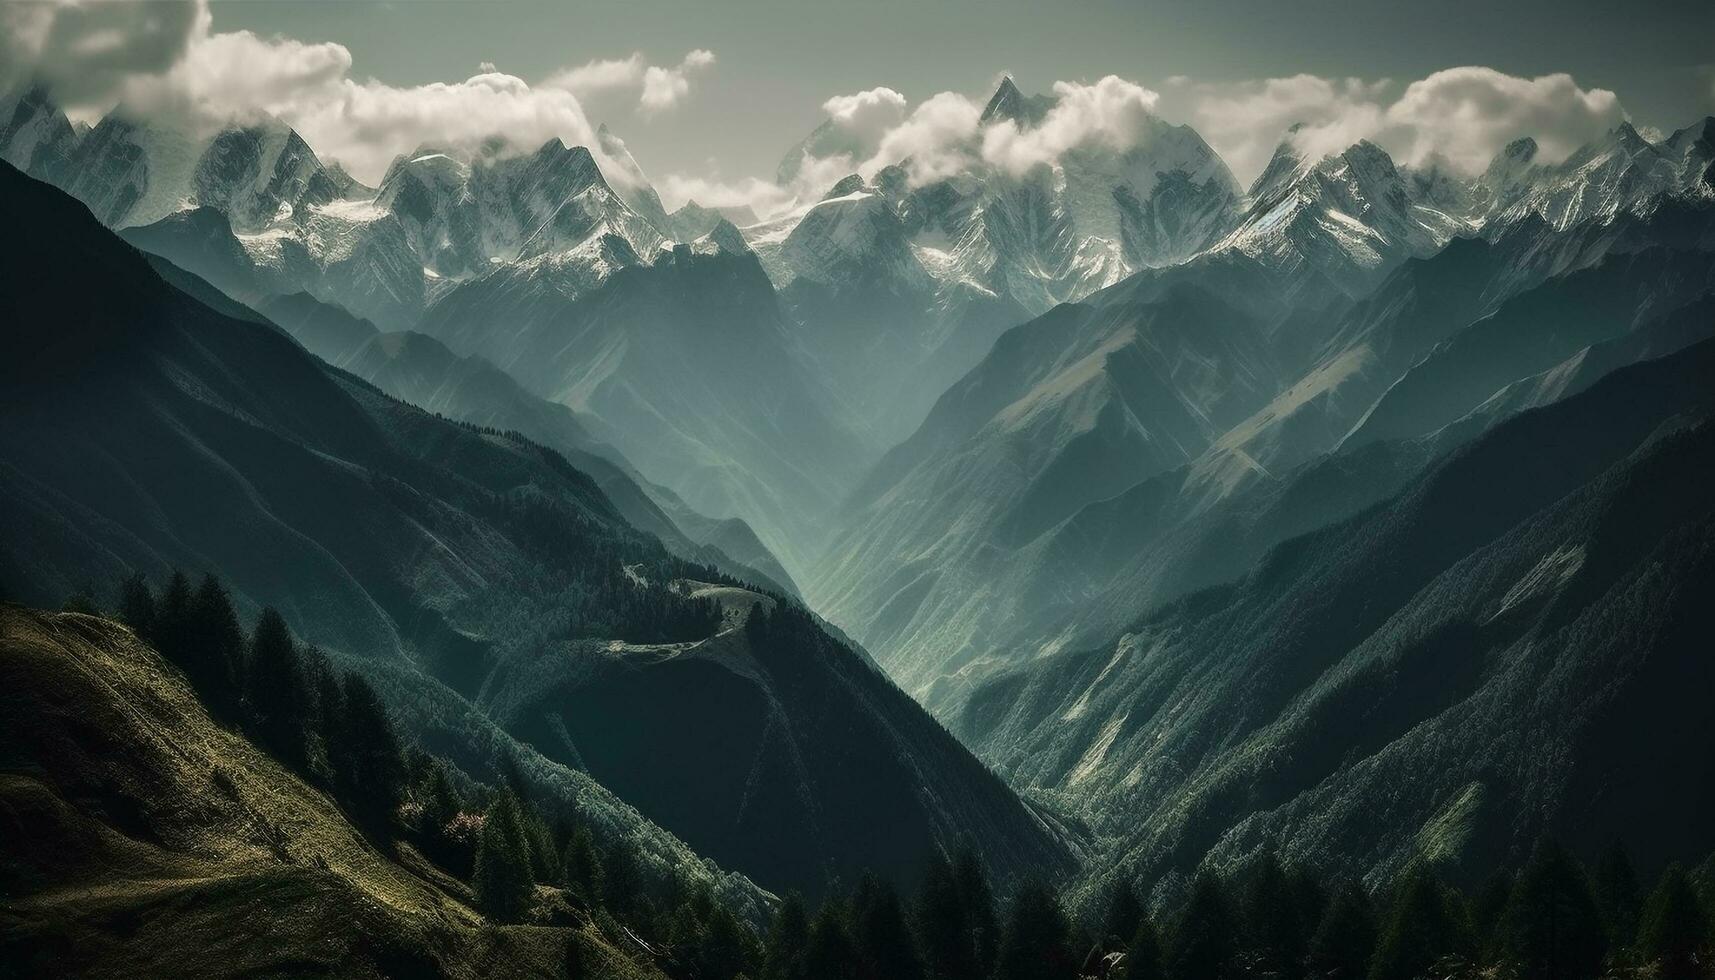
pixel 1215 521
pixel 489 587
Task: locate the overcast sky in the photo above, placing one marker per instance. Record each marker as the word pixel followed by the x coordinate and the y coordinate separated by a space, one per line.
pixel 710 93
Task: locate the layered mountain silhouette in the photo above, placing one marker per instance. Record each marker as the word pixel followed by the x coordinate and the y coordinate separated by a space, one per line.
pixel 1355 516
pixel 1489 655
pixel 147 431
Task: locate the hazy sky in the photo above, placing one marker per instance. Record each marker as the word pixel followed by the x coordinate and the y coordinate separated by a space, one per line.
pixel 714 92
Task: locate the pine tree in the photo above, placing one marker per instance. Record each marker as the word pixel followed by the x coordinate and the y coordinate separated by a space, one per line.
pixel 367 760
pixel 278 693
pixel 1271 924
pixel 1204 946
pixel 1424 924
pixel 1487 907
pixel 1551 929
pixel 329 713
pixel 978 900
pixel 582 867
pixel 1674 930
pixel 943 927
pixel 1346 938
pixel 831 954
pixel 1124 915
pixel 728 948
pixel 1618 896
pixel 622 884
pixel 885 947
pixel 1143 958
pixel 544 852
pixel 173 618
pixel 955 920
pixel 137 607
pixel 502 881
pixel 788 941
pixel 214 646
pixel 1037 943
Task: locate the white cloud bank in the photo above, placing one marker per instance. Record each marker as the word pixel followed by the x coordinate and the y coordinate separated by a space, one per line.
pixel 164 59
pixel 1463 116
pixel 1459 116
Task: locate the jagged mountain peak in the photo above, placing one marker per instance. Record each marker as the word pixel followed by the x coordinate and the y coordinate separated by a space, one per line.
pixel 1284 167
pixel 1008 104
pixel 726 237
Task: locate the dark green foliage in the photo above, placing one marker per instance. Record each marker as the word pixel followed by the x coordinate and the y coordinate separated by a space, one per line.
pixel 1204 944
pixel 1143 959
pixel 1037 943
pixel 788 941
pixel 1425 924
pixel 277 693
pixel 81 601
pixel 1551 929
pixel 831 953
pixel 367 759
pixel 173 615
pixel 545 853
pixel 1274 932
pixel 622 885
pixel 214 648
pixel 978 900
pixel 502 881
pixel 1618 896
pixel 886 948
pixel 581 867
pixel 1674 933
pixel 137 607
pixel 1309 898
pixel 1124 915
pixel 1346 938
pixel 329 710
pixel 1487 906
pixel 708 942
pixel 955 921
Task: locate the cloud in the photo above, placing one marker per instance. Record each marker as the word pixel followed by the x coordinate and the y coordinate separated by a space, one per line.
pixel 1463 116
pixel 867 114
pixel 1112 113
pixel 664 87
pixel 1245 121
pixel 763 197
pixel 594 77
pixel 1466 115
pixel 943 135
pixel 85 50
pixel 162 60
pixel 658 88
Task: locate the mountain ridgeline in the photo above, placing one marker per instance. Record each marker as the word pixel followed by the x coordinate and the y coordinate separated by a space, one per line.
pixel 452 563
pixel 1302 580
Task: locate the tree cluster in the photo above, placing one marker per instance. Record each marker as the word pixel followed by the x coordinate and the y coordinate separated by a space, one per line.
pixel 327 726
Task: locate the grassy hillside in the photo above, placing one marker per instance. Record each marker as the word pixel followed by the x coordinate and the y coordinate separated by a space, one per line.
pixel 137 833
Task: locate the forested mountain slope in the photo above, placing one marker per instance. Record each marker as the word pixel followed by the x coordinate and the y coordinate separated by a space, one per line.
pixel 146 431
pixel 1511 645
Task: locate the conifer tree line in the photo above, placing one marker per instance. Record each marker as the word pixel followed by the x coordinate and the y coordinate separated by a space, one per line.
pixel 1554 918
pixel 332 729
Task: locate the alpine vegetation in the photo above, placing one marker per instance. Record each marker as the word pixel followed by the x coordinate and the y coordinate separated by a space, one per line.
pixel 993 491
